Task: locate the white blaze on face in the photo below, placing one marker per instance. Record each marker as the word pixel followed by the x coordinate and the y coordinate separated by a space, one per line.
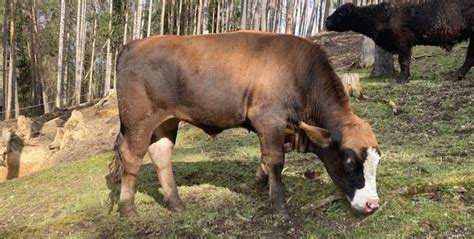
pixel 369 191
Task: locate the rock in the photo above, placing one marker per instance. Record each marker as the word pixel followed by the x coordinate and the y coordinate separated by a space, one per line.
pixel 58 142
pixel 5 145
pixel 24 127
pixel 74 130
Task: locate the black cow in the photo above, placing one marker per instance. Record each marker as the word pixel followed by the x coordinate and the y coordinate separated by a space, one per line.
pixel 397 28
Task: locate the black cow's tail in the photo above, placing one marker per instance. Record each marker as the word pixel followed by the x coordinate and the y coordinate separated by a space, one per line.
pixel 116 170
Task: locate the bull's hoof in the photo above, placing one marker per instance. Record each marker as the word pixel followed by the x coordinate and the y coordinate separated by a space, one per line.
pixel 456 77
pixel 130 211
pixel 403 79
pixel 175 204
pixel 282 212
pixel 262 184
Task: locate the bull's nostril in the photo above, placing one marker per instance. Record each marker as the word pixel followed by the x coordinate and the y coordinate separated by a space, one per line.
pixel 372 206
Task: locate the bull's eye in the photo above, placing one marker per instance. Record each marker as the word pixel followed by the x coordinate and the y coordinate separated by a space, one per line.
pixel 350 164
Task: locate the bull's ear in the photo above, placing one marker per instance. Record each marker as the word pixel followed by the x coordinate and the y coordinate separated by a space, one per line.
pixel 317 135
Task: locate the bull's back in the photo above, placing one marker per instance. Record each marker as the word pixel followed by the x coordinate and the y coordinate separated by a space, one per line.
pixel 442 22
pixel 211 80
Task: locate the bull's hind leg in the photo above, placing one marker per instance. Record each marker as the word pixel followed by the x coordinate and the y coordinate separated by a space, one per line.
pixel 160 151
pixel 132 149
pixel 468 63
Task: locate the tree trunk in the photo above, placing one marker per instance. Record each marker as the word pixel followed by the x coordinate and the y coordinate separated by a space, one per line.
pixel 255 16
pixel 12 95
pixel 303 20
pixel 37 71
pixel 289 16
pixel 108 66
pixel 162 18
pixel 83 41
pixel 178 20
pixel 263 21
pixel 205 17
pixel 199 23
pixel 172 13
pixel 59 81
pixel 125 27
pixel 231 17
pixel 368 50
pixel 218 19
pixel 5 53
pixel 150 10
pixel 312 18
pixel 383 63
pixel 243 14
pixel 91 69
pixel 78 75
pixel 139 29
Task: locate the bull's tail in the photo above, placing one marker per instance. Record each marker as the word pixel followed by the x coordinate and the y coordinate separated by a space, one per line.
pixel 116 170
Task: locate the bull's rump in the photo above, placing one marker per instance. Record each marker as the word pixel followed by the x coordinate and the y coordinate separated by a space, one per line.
pixel 213 80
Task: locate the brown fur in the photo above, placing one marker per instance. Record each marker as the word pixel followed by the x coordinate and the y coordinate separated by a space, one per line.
pixel 267 83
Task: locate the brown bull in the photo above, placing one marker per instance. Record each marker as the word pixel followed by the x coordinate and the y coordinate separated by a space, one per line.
pixel 282 87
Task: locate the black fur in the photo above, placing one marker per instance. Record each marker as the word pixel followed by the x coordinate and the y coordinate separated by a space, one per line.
pixel 397 28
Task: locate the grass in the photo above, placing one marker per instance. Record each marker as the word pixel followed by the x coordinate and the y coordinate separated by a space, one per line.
pixel 427 155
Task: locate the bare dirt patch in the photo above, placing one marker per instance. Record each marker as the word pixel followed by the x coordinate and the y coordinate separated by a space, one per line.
pixel 98 129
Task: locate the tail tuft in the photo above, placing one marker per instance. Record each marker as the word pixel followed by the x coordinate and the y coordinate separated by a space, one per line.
pixel 114 177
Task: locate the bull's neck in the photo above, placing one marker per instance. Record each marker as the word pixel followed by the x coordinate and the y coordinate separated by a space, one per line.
pixel 364 19
pixel 329 106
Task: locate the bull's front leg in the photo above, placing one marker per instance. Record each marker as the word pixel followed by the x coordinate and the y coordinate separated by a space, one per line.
pixel 273 159
pixel 404 59
pixel 468 63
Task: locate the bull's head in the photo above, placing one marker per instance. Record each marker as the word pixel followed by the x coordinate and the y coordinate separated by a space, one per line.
pixel 351 161
pixel 342 19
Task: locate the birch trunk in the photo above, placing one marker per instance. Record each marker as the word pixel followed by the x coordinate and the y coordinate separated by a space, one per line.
pixel 243 14
pixel 162 18
pixel 139 31
pixel 205 16
pixel 178 20
pixel 91 69
pixel 263 8
pixel 108 67
pixel 125 27
pixel 11 91
pixel 78 64
pixel 59 81
pixel 150 10
pixel 198 24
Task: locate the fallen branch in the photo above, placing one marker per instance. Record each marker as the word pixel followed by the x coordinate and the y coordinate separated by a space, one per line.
pixel 328 200
pixel 422 56
pixel 242 217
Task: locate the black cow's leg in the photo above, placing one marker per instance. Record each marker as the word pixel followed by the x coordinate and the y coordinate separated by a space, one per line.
pixel 468 63
pixel 160 150
pixel 404 59
pixel 271 135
